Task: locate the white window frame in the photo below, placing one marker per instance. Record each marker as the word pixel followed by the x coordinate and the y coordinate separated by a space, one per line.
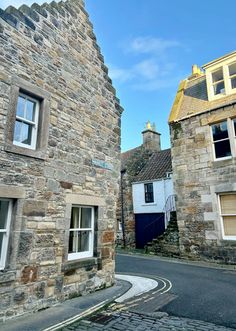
pixel 232 139
pixel 6 234
pixel 89 253
pixel 225 237
pixel 226 78
pixel 34 123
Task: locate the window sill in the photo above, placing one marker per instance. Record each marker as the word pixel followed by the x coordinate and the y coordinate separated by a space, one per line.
pixel 81 263
pixel 222 162
pixel 149 204
pixel 38 154
pixel 229 241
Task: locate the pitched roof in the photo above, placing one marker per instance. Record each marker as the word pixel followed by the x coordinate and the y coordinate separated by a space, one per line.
pixel 156 167
pixel 126 156
pixel 134 160
pixel 192 99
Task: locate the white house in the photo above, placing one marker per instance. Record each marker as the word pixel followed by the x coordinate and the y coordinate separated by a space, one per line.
pixel 153 197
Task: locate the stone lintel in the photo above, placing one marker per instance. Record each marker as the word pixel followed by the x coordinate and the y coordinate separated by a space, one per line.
pixel 87 200
pixel 12 192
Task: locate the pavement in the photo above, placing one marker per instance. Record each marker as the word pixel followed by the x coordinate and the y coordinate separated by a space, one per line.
pixel 125 306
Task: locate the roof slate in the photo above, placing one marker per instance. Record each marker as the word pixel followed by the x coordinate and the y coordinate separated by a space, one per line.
pixel 156 167
pixel 194 100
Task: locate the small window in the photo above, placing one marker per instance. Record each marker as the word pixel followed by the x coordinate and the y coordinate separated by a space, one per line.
pixel 27 127
pixel 148 189
pixel 232 75
pixel 218 81
pixel 26 123
pixel 221 140
pixel 5 219
pixel 228 215
pixel 81 233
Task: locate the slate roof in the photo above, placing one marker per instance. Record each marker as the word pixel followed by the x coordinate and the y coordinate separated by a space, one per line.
pixel 192 99
pixel 134 160
pixel 126 156
pixel 156 167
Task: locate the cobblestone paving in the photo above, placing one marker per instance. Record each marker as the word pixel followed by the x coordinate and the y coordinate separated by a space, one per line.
pixel 115 320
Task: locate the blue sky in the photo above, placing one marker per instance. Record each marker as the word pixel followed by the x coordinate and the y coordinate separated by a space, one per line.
pixel 150 45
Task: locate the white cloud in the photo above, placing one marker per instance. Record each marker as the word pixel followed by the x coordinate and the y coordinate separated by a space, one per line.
pixel 156 84
pixel 154 70
pixel 121 75
pixel 151 45
pixel 147 75
pixel 149 69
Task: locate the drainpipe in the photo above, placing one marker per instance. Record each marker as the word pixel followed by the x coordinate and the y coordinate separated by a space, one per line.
pixel 122 207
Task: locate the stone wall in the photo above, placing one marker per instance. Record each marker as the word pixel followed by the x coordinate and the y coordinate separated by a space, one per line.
pixel 197 181
pixel 51 52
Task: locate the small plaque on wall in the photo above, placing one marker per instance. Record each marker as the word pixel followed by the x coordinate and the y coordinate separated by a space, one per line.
pixel 102 164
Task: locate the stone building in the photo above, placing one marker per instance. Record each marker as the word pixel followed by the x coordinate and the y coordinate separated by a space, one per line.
pixel 145 160
pixel 203 136
pixel 59 160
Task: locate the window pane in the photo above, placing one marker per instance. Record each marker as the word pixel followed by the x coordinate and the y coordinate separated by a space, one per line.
pixel 232 69
pixel 217 75
pixel 229 225
pixel 1 241
pixel 20 106
pixel 148 188
pixel 222 149
pixel 220 131
pixel 234 124
pixel 79 241
pixel 86 217
pixel 17 131
pixel 73 239
pixel 30 110
pixel 4 205
pixel 26 133
pixel 219 88
pixel 74 224
pixel 228 204
pixel 233 82
pixel 83 241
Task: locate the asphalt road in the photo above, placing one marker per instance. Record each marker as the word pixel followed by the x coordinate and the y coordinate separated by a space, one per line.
pixel 202 293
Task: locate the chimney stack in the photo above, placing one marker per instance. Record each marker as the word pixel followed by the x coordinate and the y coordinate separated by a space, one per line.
pixel 151 138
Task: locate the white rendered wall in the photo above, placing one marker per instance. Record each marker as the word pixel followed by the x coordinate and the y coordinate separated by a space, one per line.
pixel 162 189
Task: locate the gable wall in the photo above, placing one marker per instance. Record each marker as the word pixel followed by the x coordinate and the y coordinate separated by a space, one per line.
pixel 55 52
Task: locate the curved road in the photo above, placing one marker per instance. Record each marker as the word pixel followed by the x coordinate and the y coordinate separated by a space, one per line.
pixel 201 293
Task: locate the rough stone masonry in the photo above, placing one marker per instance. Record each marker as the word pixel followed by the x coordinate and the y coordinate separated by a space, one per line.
pixel 50 53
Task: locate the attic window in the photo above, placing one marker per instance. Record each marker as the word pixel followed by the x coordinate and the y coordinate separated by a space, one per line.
pixel 232 75
pixel 218 81
pixel 221 80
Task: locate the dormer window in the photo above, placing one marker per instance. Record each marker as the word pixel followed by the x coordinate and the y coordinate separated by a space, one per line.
pixel 218 81
pixel 232 75
pixel 221 77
